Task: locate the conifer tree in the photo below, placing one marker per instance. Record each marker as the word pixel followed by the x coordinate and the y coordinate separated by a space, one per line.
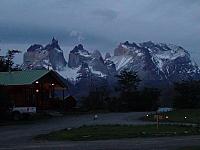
pixel 128 81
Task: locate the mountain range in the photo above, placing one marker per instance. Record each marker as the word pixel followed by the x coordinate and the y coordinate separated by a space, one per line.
pixel 157 64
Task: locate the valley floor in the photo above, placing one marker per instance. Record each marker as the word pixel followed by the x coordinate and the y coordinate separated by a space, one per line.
pixel 21 136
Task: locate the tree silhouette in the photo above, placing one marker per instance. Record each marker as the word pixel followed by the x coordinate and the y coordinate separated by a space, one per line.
pixel 9 58
pixel 3 65
pixel 128 81
pixel 6 62
pixel 128 84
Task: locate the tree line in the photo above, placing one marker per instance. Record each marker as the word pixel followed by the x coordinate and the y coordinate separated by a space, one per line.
pixel 187 94
pixel 127 96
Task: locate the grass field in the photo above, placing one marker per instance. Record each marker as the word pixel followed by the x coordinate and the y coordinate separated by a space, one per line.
pixel 103 132
pixel 184 116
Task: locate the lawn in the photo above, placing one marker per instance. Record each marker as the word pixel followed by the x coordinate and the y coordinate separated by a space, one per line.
pixel 103 132
pixel 184 116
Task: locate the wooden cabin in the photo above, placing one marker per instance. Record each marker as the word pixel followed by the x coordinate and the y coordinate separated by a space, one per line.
pixel 42 89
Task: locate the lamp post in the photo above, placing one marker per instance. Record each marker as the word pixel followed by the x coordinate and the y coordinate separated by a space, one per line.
pixel 37 90
pixel 157 120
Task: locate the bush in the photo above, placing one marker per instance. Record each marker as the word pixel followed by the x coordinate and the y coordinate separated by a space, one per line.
pixel 187 94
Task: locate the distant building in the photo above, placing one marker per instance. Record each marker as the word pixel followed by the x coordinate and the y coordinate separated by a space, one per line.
pixel 33 88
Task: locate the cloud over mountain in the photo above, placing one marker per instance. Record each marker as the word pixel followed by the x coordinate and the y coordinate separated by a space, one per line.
pixel 103 23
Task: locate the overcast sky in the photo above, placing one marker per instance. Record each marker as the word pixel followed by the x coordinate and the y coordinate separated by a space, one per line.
pixel 100 24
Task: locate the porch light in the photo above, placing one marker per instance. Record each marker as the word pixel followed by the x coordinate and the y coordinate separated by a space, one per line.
pixel 37 82
pixel 52 84
pixel 36 90
pixel 167 117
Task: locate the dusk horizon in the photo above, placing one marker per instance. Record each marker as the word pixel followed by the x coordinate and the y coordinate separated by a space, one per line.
pixel 100 25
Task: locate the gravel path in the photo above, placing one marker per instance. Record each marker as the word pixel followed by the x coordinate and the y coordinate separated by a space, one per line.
pixel 20 136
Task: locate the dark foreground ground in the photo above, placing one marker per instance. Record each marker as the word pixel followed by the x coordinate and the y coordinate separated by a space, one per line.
pixel 21 136
pixel 164 143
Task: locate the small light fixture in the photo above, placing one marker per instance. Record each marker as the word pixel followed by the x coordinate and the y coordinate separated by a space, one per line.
pixel 37 82
pixel 36 90
pixel 167 117
pixel 147 115
pixel 52 84
pixel 185 117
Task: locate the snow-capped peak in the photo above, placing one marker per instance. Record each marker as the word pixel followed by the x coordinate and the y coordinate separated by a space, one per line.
pixel 162 61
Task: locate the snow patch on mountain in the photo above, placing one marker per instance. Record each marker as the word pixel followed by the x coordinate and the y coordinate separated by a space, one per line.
pixel 121 61
pixel 69 73
pixel 155 61
pixel 98 73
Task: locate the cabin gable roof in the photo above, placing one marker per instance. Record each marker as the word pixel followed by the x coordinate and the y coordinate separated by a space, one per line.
pixel 26 77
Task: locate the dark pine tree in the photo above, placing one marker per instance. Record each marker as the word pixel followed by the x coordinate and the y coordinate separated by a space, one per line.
pixel 9 58
pixel 6 62
pixel 128 84
pixel 3 65
pixel 128 81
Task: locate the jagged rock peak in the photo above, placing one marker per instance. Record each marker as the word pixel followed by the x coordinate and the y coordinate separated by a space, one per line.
pixel 127 43
pixel 54 44
pixel 54 40
pixel 148 44
pixel 79 49
pixel 77 56
pixel 124 48
pixel 96 54
pixel 107 55
pixel 35 47
pixel 51 55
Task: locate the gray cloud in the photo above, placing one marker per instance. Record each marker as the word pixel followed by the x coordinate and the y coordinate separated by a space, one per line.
pixel 101 23
pixel 108 14
pixel 78 35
